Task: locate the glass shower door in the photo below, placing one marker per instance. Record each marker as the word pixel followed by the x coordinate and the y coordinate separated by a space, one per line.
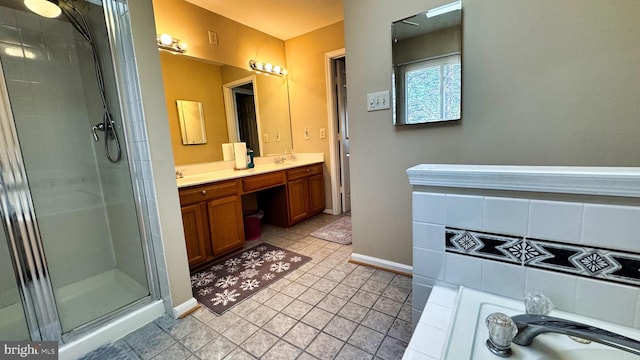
pixel 84 204
pixel 13 325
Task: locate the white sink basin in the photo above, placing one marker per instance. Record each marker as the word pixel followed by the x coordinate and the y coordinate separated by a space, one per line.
pixel 469 323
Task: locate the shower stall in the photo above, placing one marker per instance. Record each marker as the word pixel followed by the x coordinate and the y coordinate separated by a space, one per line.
pixel 76 248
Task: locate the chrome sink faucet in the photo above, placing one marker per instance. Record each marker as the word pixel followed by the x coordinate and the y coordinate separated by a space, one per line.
pixel 530 325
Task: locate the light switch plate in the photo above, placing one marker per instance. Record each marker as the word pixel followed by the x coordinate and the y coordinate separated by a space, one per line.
pixel 378 101
pixel 213 38
pixel 323 133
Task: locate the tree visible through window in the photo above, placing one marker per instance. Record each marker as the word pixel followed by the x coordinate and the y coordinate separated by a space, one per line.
pixel 432 89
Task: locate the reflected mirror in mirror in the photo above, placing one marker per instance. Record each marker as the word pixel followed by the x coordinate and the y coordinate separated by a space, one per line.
pixel 427 67
pixel 192 126
pixel 197 80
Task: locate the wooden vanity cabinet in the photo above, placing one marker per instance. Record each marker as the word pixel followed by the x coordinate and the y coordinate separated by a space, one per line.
pixel 305 192
pixel 212 220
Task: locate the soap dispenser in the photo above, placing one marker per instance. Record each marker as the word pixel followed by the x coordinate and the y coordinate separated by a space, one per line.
pixel 250 164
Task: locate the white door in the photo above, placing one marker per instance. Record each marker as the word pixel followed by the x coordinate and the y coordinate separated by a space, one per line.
pixel 343 131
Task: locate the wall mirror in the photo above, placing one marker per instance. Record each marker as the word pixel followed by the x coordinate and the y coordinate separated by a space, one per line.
pixel 192 126
pixel 187 78
pixel 427 68
pixel 257 110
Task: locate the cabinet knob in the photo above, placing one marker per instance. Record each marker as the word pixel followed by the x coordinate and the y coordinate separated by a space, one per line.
pixel 203 192
pixel 308 170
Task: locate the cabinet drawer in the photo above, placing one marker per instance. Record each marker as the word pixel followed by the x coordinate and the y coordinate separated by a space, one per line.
pixel 206 192
pixel 264 181
pixel 304 171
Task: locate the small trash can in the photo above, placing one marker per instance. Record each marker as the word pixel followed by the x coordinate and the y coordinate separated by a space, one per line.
pixel 252 229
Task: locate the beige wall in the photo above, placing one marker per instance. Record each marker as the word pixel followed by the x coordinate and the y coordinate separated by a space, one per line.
pixel 194 80
pixel 540 87
pixel 169 216
pixel 308 90
pixel 237 43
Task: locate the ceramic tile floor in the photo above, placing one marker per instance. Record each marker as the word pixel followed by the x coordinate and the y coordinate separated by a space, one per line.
pixel 328 309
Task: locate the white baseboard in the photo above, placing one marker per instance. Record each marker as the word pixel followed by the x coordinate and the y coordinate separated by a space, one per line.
pixel 382 263
pixel 184 308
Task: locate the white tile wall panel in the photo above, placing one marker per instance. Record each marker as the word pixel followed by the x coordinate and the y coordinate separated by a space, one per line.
pixel 561 288
pixel 506 216
pixel 463 270
pixel 555 220
pixel 464 211
pixel 503 279
pixel 428 236
pixel 611 226
pixel 607 301
pixel 429 207
pixel 428 263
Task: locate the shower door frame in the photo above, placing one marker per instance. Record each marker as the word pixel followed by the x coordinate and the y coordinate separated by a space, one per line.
pixel 18 213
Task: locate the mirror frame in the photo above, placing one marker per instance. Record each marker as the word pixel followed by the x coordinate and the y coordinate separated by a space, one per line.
pixel 442 54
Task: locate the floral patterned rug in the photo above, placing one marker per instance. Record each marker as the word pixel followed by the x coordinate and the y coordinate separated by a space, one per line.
pixel 230 281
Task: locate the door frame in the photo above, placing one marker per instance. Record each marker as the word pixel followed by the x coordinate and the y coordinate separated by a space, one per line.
pixel 334 161
pixel 232 113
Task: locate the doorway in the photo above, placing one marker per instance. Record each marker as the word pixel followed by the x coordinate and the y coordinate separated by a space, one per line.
pixel 243 121
pixel 340 154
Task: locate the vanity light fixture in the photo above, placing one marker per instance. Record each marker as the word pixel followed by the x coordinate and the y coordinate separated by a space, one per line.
pixel 267 68
pixel 45 8
pixel 456 5
pixel 167 42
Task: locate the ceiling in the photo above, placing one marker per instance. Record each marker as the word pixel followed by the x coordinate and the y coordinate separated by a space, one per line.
pixel 283 19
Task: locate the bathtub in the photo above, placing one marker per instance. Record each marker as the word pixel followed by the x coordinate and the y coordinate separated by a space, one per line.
pixel 462 322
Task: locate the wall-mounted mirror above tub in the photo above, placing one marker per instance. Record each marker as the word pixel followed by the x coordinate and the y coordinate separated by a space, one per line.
pixel 197 80
pixel 192 127
pixel 427 67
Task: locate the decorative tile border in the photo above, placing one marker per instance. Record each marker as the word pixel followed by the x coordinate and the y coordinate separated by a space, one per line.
pixel 602 264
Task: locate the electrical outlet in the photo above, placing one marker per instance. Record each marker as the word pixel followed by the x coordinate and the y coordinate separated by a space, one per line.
pixel 213 38
pixel 378 101
pixel 277 135
pixel 323 133
pixel 306 134
pixel 265 138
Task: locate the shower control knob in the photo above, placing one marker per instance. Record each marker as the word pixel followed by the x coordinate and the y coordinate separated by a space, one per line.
pixel 203 192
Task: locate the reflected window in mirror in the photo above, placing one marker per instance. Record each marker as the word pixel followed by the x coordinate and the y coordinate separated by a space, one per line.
pixel 427 70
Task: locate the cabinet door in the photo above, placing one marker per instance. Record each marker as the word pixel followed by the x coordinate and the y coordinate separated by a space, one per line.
pixel 225 224
pixel 316 194
pixel 298 200
pixel 196 234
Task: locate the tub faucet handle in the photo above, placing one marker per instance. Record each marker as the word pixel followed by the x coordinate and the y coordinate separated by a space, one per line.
pixel 502 330
pixel 536 303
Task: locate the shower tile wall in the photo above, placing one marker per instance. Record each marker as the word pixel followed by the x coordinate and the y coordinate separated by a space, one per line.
pixel 115 178
pixel 41 63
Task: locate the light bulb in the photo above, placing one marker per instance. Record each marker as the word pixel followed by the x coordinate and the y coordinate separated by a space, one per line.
pixel 45 8
pixel 166 39
pixel 259 66
pixel 183 46
pixel 268 67
pixel 277 69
